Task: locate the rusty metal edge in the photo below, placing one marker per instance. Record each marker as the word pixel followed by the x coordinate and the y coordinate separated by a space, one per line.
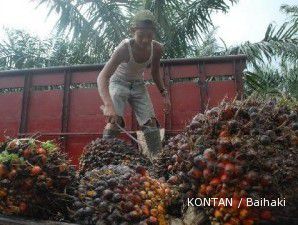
pixel 82 133
pixel 90 67
pixel 11 220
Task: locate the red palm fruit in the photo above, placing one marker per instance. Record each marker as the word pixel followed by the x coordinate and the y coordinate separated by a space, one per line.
pixel 266 215
pixel 154 212
pixel 148 203
pixel 207 174
pixel 41 151
pixel 244 185
pixel 199 162
pixel 177 158
pixel 224 134
pixel 141 170
pixel 243 214
pixel 202 189
pixel 218 214
pixel 26 153
pixel 173 180
pixel 3 193
pixel 227 113
pixel 145 210
pixel 160 209
pixel 195 173
pixel 35 170
pixel 252 177
pixel 3 170
pixel 209 190
pixel 23 207
pixel 248 221
pixel 223 193
pixel 209 154
pixel 43 159
pixel 62 167
pixel 235 221
pixel 215 181
pixel 220 167
pixel 227 223
pixel 152 220
pixel 266 180
pixel 238 170
pixel 230 169
pixel 27 184
pixel 225 178
pixel 225 158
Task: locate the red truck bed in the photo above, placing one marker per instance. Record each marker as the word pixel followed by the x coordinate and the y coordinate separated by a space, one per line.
pixel 63 102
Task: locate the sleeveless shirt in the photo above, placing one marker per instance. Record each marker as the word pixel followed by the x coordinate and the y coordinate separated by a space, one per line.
pixel 131 70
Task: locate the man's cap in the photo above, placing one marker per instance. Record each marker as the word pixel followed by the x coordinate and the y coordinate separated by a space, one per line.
pixel 142 16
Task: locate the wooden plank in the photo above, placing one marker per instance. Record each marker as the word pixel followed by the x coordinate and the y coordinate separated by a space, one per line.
pixel 19 221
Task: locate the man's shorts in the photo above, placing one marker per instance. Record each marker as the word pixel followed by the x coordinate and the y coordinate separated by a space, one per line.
pixel 134 93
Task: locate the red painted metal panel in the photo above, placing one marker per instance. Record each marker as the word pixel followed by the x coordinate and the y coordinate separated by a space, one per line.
pixel 217 91
pixel 48 79
pixel 147 73
pixel 44 112
pixel 157 101
pixel 45 107
pixel 179 71
pixel 185 99
pixel 11 81
pixel 10 112
pixel 85 114
pixel 84 77
pixel 219 69
pixel 75 146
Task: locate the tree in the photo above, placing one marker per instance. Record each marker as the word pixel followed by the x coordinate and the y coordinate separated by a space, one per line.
pixel 280 47
pixel 23 50
pixel 99 24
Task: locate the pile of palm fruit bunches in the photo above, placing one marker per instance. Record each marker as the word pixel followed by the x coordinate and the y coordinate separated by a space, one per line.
pixel 245 152
pixel 232 158
pixel 36 179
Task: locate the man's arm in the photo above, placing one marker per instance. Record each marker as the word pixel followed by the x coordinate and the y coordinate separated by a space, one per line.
pixel 159 50
pixel 104 76
pixel 158 79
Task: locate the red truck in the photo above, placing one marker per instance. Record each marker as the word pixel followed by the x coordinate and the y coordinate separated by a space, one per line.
pixel 63 102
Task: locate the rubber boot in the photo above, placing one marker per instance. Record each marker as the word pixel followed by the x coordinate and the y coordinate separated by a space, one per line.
pixel 153 140
pixel 112 130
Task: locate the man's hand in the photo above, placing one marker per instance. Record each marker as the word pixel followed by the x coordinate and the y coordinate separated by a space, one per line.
pixel 167 104
pixel 108 110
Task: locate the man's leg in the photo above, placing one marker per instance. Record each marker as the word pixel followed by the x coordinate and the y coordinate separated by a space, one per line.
pixel 143 108
pixel 119 94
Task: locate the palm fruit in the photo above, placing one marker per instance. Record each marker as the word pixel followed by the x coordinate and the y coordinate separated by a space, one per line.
pixel 36 179
pixel 117 194
pixel 101 152
pixel 239 150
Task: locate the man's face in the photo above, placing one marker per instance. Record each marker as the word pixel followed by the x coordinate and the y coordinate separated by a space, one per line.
pixel 143 37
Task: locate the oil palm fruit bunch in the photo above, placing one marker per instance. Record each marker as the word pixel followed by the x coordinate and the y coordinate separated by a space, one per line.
pixel 118 194
pixel 36 179
pixel 241 150
pixel 101 152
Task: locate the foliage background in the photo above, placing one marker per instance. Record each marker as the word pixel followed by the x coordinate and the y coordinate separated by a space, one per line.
pixel 88 31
